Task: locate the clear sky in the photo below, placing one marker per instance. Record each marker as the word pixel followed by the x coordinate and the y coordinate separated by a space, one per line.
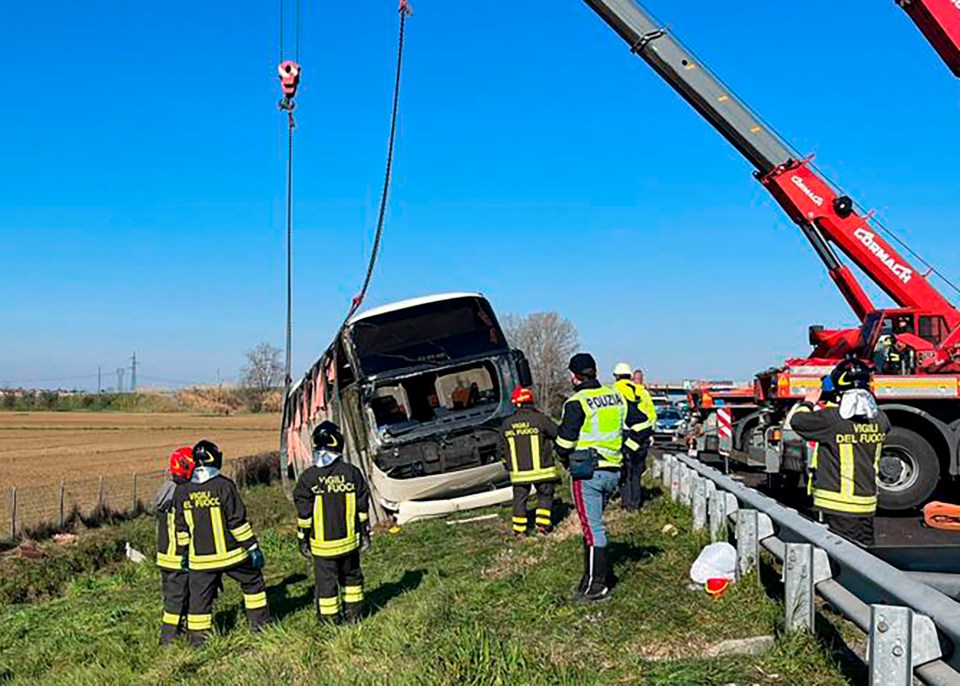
pixel 141 190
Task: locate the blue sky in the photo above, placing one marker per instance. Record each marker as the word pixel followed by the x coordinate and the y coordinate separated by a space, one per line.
pixel 141 198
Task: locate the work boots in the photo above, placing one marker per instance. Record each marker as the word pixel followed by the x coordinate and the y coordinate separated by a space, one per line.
pixel 597 570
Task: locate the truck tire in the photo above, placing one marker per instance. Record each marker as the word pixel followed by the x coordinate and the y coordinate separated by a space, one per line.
pixel 909 470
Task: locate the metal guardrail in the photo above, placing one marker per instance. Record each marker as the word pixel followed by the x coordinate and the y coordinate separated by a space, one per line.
pixel 913 630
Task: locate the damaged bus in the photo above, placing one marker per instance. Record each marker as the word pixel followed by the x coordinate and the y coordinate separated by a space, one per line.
pixel 419 388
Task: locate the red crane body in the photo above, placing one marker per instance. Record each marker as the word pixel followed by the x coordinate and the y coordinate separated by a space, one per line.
pixel 939 21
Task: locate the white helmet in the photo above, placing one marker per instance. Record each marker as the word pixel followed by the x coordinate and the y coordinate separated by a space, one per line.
pixel 623 369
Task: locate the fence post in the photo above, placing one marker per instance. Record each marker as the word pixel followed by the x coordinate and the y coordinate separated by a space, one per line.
pixel 718 516
pixel 748 544
pixel 60 499
pixel 699 503
pixel 100 494
pixel 798 586
pixel 136 501
pixel 13 513
pixel 891 643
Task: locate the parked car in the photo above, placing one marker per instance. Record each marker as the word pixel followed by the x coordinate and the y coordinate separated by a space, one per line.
pixel 669 425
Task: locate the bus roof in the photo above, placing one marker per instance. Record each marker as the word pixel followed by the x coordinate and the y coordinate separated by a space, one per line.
pixel 412 302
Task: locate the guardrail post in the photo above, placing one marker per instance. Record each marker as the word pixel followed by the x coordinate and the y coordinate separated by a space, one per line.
pixel 13 512
pixel 675 481
pixel 60 504
pixel 686 476
pixel 656 468
pixel 718 516
pixel 699 503
pixel 748 544
pixel 891 639
pixel 798 586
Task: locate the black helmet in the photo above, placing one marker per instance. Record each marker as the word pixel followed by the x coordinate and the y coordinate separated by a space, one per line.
pixel 207 454
pixel 847 376
pixel 327 436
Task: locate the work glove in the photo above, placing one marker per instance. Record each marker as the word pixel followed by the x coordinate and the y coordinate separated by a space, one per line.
pixel 185 563
pixel 304 544
pixel 257 561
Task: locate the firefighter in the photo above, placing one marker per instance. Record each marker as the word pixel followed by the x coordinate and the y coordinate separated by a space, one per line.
pixel 849 432
pixel 590 441
pixel 526 448
pixel 634 460
pixel 173 580
pixel 214 538
pixel 333 525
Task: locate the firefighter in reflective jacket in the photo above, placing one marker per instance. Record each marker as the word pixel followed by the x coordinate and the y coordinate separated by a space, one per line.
pixel 849 433
pixel 634 458
pixel 333 525
pixel 173 580
pixel 590 441
pixel 526 448
pixel 214 538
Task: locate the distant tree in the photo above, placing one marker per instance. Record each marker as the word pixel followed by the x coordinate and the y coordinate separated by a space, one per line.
pixel 262 374
pixel 548 341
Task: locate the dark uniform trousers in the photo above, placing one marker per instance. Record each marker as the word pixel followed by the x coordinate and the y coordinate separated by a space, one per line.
pixel 521 496
pixel 206 584
pixel 856 529
pixel 174 583
pixel 333 574
pixel 634 466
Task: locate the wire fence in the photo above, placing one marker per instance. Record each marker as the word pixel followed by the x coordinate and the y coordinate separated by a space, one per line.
pixel 37 511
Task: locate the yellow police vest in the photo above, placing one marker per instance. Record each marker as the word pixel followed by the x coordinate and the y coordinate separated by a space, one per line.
pixel 604 417
pixel 636 394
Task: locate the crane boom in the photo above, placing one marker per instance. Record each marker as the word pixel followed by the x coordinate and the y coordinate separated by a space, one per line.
pixel 825 216
pixel 939 21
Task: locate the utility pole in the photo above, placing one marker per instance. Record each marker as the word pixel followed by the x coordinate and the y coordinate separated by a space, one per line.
pixel 99 381
pixel 133 373
pixel 120 372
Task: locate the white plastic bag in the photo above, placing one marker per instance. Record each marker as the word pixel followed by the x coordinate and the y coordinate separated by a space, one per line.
pixel 715 561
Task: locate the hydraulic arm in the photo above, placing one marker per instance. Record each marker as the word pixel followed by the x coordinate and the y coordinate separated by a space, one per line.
pixel 939 21
pixel 826 217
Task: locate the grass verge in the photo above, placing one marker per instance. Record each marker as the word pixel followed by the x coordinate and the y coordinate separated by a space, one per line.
pixel 448 604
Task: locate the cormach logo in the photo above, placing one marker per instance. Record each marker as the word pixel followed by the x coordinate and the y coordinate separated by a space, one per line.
pixel 799 183
pixel 868 238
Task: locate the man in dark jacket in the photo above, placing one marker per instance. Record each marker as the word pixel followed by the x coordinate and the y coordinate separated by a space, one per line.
pixel 526 448
pixel 173 580
pixel 333 525
pixel 214 538
pixel 849 433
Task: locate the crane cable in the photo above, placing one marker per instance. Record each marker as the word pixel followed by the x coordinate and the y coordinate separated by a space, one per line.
pixel 289 72
pixel 405 10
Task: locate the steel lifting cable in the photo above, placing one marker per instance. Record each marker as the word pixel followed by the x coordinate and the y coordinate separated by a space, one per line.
pixel 289 72
pixel 405 10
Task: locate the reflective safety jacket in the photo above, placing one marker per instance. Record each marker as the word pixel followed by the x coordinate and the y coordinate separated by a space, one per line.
pixel 639 397
pixel 845 460
pixel 333 505
pixel 211 524
pixel 595 418
pixel 526 446
pixel 167 557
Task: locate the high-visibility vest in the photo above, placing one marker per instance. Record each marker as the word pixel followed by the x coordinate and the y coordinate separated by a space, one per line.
pixel 636 394
pixel 604 419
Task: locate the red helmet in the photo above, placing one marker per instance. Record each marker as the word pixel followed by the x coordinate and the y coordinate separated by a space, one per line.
pixel 182 464
pixel 522 396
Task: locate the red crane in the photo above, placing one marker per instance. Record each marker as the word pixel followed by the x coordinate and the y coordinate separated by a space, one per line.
pixel 939 21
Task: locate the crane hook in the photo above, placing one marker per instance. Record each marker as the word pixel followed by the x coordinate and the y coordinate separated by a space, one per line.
pixel 289 80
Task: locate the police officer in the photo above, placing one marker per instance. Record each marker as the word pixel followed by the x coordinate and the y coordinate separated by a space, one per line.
pixel 214 538
pixel 849 432
pixel 634 453
pixel 526 448
pixel 333 524
pixel 173 580
pixel 590 441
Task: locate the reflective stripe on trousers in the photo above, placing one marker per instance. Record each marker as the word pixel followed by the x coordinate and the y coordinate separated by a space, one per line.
pixel 590 496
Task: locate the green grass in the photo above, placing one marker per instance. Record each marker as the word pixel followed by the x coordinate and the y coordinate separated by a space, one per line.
pixel 449 605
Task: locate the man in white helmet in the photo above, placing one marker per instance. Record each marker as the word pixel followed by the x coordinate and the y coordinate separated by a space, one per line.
pixel 634 451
